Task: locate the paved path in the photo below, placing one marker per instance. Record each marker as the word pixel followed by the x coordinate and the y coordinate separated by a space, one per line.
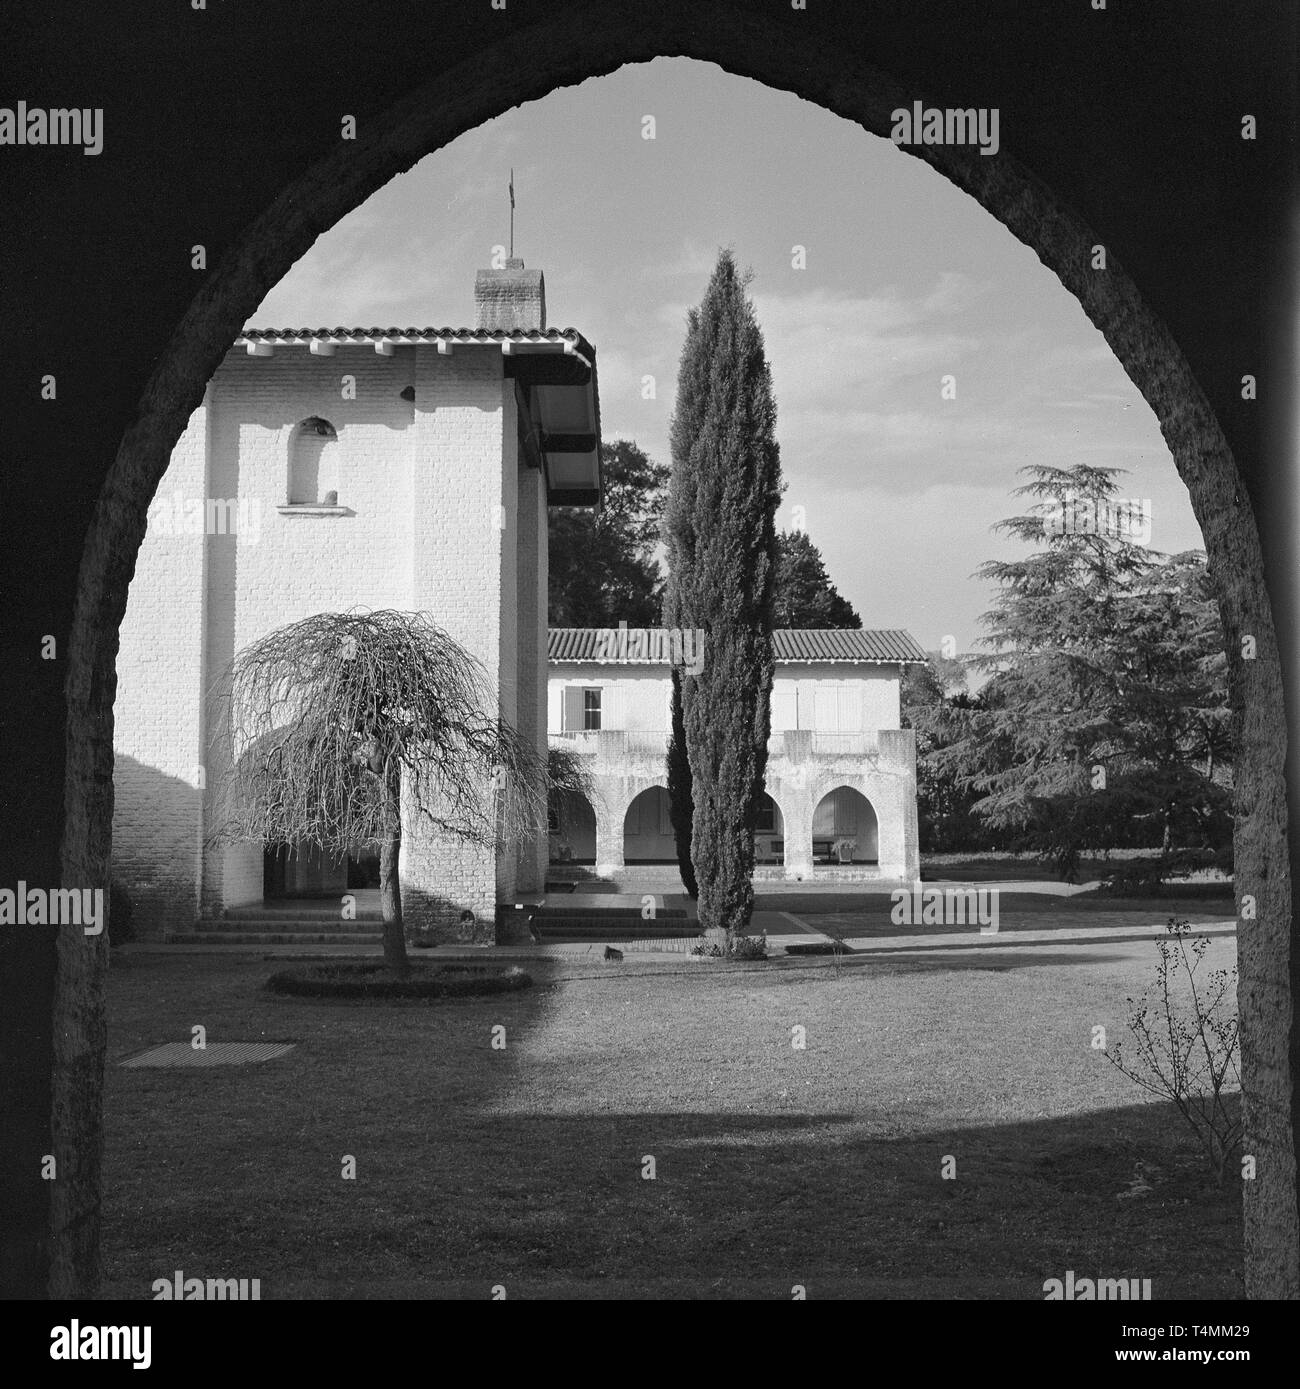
pixel 784 929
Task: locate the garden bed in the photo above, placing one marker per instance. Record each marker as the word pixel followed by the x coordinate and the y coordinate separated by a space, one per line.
pixel 352 980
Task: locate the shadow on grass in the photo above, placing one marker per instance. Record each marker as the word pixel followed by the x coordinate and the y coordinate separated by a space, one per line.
pixel 396 1153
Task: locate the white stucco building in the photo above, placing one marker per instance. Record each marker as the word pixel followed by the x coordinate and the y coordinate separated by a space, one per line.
pixel 329 469
pixel 841 773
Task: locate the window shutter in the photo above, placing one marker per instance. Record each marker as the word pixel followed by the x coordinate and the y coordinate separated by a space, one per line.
pixel 825 709
pixel 573 709
pixel 850 708
pixel 785 710
pixel 613 707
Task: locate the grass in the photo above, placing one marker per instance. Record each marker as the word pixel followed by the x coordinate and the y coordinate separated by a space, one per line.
pixel 1004 867
pixel 773 1166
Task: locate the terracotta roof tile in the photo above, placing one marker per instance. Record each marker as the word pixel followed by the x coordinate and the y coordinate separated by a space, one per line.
pixel 651 645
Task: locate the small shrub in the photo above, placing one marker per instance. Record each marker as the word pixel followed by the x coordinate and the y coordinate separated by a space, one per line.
pixel 1186 1048
pixel 736 947
pixel 1145 877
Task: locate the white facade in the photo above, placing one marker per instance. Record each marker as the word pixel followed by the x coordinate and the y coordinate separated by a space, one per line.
pixel 841 773
pixel 361 472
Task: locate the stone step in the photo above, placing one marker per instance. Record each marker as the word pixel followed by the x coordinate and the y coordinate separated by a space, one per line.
pixel 583 912
pixel 597 929
pixel 234 937
pixel 262 917
pixel 295 925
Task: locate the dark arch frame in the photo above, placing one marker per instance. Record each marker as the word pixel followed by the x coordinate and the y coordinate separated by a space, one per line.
pixel 527 64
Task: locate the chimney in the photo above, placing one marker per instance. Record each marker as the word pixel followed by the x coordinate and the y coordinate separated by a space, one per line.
pixel 510 299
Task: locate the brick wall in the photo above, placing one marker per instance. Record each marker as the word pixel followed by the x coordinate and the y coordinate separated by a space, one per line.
pixel 804 766
pixel 159 742
pixel 421 487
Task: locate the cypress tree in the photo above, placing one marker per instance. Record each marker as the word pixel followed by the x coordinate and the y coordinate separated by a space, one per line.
pixel 681 805
pixel 720 532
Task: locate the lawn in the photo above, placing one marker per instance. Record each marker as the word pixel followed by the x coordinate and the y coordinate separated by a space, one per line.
pixel 773 1166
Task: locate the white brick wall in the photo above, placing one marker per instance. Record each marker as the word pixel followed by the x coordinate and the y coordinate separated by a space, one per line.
pixel 423 483
pixel 159 741
pixel 638 697
pixel 824 753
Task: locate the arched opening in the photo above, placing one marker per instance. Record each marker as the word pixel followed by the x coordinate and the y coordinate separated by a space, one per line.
pixel 648 830
pixel 303 870
pixel 314 464
pixel 845 829
pixel 769 832
pixel 571 828
pixel 424 120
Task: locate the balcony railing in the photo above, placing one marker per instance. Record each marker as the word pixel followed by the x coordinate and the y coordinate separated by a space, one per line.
pixel 614 743
pixel 799 743
pixel 796 744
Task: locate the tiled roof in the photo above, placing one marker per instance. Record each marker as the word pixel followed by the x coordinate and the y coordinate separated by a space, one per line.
pixel 651 645
pixel 846 644
pixel 415 334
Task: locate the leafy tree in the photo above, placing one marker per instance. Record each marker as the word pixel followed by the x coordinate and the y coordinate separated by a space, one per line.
pixel 1107 709
pixel 602 568
pixel 722 558
pixel 805 596
pixel 331 724
pixel 931 694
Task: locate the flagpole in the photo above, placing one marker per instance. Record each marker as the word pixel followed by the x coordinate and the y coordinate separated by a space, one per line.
pixel 512 214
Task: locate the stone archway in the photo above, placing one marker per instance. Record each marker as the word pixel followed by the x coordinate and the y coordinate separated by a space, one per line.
pixel 647 832
pixel 845 828
pixel 572 829
pixel 524 65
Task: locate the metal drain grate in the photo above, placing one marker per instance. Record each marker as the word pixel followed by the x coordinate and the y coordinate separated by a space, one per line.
pixel 214 1054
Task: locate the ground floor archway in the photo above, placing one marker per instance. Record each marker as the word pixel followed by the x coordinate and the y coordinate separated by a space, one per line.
pixel 845 828
pixel 571 828
pixel 648 829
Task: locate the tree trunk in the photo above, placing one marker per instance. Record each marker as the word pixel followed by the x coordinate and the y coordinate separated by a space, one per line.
pixel 390 890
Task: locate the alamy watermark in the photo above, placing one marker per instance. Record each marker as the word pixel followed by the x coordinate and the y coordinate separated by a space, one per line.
pixel 178 1288
pixel 672 646
pixel 35 125
pixel 53 906
pixel 950 906
pixel 931 125
pixel 1125 518
pixel 1070 1289
pixel 182 515
pixel 77 1342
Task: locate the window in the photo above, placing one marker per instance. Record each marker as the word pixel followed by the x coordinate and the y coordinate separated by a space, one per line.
pixel 836 707
pixel 766 822
pixel 590 710
pixel 314 464
pixel 785 706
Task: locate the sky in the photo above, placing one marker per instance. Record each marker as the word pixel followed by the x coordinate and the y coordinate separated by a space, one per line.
pixel 907 280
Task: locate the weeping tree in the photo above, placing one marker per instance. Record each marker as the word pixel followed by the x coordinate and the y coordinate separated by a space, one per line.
pixel 333 728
